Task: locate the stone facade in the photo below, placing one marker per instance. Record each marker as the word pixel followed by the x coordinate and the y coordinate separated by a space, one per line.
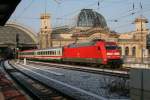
pixel 133 44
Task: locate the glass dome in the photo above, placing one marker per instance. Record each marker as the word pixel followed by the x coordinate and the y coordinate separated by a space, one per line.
pixel 90 18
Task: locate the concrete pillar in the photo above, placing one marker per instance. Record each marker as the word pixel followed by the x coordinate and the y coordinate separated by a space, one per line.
pixel 138 52
pixel 139 84
pixel 130 50
pixel 123 50
pixel 145 53
pixel 25 61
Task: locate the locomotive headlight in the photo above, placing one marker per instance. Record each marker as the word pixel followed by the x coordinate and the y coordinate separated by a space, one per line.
pixel 109 54
pixel 117 53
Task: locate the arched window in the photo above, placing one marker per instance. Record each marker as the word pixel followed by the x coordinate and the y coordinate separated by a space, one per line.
pixel 120 48
pixel 127 51
pixel 148 52
pixel 133 51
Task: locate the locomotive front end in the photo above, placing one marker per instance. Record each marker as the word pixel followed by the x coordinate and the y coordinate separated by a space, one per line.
pixel 113 54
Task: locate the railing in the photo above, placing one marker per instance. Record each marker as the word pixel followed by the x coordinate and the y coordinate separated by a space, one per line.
pixel 145 60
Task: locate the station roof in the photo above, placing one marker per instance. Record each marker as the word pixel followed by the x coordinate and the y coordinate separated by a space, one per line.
pixel 10 39
pixel 7 7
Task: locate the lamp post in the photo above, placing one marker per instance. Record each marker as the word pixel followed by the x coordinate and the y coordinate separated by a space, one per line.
pixel 17 46
pixel 141 41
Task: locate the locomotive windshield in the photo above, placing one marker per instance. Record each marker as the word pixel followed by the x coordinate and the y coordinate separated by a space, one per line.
pixel 111 47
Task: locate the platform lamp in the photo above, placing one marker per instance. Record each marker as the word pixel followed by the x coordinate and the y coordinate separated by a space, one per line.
pixel 17 45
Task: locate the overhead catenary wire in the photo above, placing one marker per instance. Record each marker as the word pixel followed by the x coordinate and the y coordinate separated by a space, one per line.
pixel 132 11
pixel 24 10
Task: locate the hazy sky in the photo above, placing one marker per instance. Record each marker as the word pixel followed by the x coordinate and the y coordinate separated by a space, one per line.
pixel 64 12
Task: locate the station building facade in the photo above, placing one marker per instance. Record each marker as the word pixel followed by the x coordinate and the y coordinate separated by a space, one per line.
pixel 133 44
pixel 91 25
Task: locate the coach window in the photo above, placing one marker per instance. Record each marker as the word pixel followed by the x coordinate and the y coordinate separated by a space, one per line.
pixel 55 52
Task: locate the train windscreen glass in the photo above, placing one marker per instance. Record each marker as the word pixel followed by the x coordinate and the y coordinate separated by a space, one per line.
pixel 111 47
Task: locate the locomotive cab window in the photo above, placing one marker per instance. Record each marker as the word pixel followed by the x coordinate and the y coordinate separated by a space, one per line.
pixel 111 47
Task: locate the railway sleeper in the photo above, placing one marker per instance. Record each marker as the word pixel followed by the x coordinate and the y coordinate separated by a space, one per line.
pixel 35 89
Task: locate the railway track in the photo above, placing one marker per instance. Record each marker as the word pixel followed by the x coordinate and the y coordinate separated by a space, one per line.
pixel 76 83
pixel 35 88
pixel 117 73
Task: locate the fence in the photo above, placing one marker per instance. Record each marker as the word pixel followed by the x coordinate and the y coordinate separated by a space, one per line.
pixel 133 60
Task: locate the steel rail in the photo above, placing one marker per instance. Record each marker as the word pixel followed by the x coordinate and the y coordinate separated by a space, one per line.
pixel 36 89
pixel 117 73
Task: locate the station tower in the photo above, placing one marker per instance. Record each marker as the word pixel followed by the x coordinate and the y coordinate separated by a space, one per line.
pixel 141 28
pixel 45 31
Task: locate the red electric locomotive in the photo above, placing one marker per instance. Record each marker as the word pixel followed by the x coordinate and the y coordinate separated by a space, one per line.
pixel 95 52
